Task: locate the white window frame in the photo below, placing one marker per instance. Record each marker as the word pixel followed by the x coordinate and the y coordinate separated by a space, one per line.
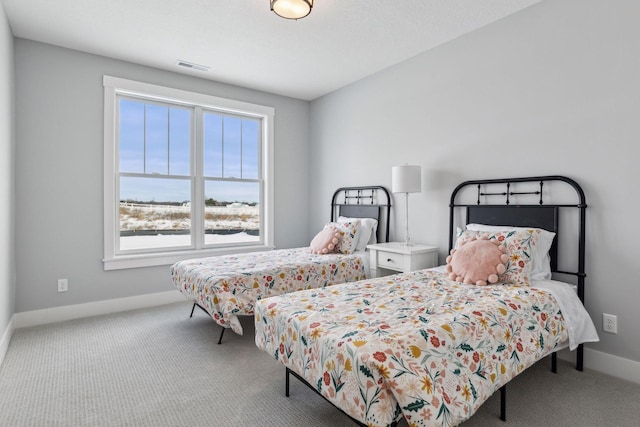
pixel 114 86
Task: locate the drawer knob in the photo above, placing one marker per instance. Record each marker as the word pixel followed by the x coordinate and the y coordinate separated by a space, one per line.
pixel 389 260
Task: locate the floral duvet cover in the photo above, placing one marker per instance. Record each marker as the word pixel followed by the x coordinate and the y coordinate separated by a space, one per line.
pixel 228 286
pixel 417 345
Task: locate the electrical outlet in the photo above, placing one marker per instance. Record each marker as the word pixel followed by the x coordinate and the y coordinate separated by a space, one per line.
pixel 610 323
pixel 63 285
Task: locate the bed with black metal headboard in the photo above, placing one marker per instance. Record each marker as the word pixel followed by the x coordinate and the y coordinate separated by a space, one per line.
pixel 424 346
pixel 520 202
pixel 364 202
pixel 228 286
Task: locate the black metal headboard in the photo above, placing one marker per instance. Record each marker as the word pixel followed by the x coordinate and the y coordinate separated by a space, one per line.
pixel 510 210
pixel 521 202
pixel 364 202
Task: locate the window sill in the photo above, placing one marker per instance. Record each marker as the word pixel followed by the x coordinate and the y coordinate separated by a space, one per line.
pixel 122 262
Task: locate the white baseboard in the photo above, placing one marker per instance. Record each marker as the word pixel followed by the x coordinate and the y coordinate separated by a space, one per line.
pixel 6 337
pixel 606 363
pixel 69 312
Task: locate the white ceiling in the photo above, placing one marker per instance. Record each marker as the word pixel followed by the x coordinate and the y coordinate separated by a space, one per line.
pixel 245 44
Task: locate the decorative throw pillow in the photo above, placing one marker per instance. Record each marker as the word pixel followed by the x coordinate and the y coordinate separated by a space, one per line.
pixel 349 233
pixel 368 231
pixel 541 264
pixel 477 261
pixel 325 241
pixel 520 246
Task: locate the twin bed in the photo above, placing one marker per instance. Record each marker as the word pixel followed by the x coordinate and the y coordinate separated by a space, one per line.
pixel 229 286
pixel 420 345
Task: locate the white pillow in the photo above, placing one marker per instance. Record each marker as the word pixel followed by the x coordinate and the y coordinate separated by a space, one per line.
pixel 368 231
pixel 541 262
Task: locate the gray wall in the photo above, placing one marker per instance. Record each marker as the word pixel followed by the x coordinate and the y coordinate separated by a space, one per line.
pixel 550 90
pixel 59 164
pixel 554 89
pixel 7 181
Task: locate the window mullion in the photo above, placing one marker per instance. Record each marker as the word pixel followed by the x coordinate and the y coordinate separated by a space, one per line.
pixel 197 172
pixel 169 141
pixel 222 149
pixel 144 141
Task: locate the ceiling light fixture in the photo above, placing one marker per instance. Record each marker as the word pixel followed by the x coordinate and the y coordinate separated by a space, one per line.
pixel 291 9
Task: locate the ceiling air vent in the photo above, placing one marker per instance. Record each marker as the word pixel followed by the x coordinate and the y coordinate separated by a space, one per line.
pixel 192 66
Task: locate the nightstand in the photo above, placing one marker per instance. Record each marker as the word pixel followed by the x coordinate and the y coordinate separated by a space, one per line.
pixel 393 257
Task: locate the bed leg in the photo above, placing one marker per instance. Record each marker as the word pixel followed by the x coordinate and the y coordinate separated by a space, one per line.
pixel 192 308
pixel 503 403
pixel 580 357
pixel 554 362
pixel 286 383
pixel 221 334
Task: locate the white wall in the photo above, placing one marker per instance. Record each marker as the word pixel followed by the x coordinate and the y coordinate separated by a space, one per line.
pixel 7 183
pixel 59 184
pixel 551 90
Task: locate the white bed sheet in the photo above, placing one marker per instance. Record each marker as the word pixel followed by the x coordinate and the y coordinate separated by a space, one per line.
pixel 577 319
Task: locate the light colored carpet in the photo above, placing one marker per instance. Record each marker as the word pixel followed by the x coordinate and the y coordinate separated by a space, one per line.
pixel 158 367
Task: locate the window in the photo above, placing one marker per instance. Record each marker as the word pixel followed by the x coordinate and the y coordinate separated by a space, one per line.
pixel 186 175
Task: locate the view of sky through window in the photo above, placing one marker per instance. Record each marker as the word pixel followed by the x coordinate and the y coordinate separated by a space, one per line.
pixel 155 142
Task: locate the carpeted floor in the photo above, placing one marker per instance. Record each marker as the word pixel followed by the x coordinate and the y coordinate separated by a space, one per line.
pixel 158 367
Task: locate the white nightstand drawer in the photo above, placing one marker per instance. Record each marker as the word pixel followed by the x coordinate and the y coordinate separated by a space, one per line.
pixel 387 258
pixel 391 260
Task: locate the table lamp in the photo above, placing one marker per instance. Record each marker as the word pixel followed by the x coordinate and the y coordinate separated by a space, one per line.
pixel 406 179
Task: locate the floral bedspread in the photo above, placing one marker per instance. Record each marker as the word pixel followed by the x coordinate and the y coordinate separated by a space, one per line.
pixel 417 345
pixel 228 286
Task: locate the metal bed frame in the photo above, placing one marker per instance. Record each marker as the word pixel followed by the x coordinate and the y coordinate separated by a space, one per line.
pixel 371 201
pixel 510 212
pixel 534 213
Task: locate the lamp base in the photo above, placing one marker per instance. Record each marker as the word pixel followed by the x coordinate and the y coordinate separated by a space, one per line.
pixel 407 240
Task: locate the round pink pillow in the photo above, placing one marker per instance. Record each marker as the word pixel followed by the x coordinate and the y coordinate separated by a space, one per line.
pixel 325 241
pixel 477 261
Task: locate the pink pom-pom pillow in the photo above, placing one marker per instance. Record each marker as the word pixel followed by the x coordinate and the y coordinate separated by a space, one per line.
pixel 477 262
pixel 520 245
pixel 325 241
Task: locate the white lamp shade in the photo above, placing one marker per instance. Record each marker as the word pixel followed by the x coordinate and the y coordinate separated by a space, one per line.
pixel 406 179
